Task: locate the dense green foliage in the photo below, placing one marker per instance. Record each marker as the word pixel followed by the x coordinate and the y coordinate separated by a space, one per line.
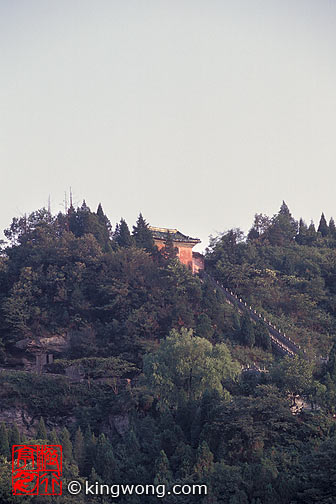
pixel 284 270
pixel 147 384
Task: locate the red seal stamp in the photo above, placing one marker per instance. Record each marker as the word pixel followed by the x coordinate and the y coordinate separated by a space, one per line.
pixel 37 469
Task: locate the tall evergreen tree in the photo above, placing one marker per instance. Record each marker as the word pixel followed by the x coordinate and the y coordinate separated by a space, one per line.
pixel 90 448
pixel 262 337
pixel 14 435
pixel 53 438
pixel 41 432
pixel 311 234
pixel 105 462
pixel 4 443
pixel 301 237
pixel 283 228
pixel 122 235
pixel 332 228
pixel 204 461
pixel 142 234
pixel 247 331
pixel 66 444
pixel 79 449
pixel 103 230
pixel 163 474
pixel 323 226
pixel 103 218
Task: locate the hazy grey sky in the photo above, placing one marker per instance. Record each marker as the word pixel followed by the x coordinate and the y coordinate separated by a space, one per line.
pixel 197 113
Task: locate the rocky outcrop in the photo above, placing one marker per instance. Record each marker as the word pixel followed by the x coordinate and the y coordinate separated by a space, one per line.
pixel 21 418
pixel 53 344
pixel 120 423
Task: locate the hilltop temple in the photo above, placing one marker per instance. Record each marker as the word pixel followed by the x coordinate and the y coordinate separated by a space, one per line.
pixel 184 245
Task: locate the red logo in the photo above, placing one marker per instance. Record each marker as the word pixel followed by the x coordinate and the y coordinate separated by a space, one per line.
pixel 37 469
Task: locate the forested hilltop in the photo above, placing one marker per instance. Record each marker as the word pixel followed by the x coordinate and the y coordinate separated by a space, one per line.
pixel 287 271
pixel 154 377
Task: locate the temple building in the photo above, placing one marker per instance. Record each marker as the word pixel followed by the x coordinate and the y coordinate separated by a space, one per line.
pixel 184 245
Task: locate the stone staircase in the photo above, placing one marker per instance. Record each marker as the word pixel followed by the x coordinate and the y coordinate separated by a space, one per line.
pixel 280 342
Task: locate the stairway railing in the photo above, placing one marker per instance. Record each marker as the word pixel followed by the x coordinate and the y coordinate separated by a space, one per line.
pixel 279 340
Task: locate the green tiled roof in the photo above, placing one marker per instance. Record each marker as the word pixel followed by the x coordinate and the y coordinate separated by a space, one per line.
pixel 161 234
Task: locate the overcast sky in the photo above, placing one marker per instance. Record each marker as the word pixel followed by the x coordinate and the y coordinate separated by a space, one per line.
pixel 197 113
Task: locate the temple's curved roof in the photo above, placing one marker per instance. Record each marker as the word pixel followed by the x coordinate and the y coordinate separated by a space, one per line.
pixel 177 236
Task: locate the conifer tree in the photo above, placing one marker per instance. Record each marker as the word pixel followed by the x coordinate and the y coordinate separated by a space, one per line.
pixel 14 436
pixel 95 477
pixel 66 444
pixel 301 237
pixel 204 461
pixel 103 229
pixel 79 449
pixel 105 463
pixel 262 337
pixel 323 226
pixel 283 228
pixel 53 438
pixel 332 228
pixel 90 447
pixel 102 217
pixel 41 432
pixel 247 331
pixel 122 235
pixel 163 473
pixel 142 235
pixel 4 443
pixel 311 234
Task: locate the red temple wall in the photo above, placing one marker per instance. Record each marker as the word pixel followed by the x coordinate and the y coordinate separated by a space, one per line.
pixel 186 256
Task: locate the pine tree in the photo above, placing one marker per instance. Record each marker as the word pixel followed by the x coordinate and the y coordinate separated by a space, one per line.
pixel 105 462
pixel 90 447
pixel 301 237
pixel 103 229
pixel 14 436
pixel 53 438
pixel 323 226
pixel 79 219
pixel 284 210
pixel 204 461
pixel 95 477
pixel 163 473
pixel 311 234
pixel 283 228
pixel 79 449
pixel 247 331
pixel 332 228
pixel 262 337
pixel 4 443
pixel 142 235
pixel 41 432
pixel 122 235
pixel 66 444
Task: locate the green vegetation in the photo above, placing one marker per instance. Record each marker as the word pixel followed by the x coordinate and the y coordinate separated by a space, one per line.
pixel 147 384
